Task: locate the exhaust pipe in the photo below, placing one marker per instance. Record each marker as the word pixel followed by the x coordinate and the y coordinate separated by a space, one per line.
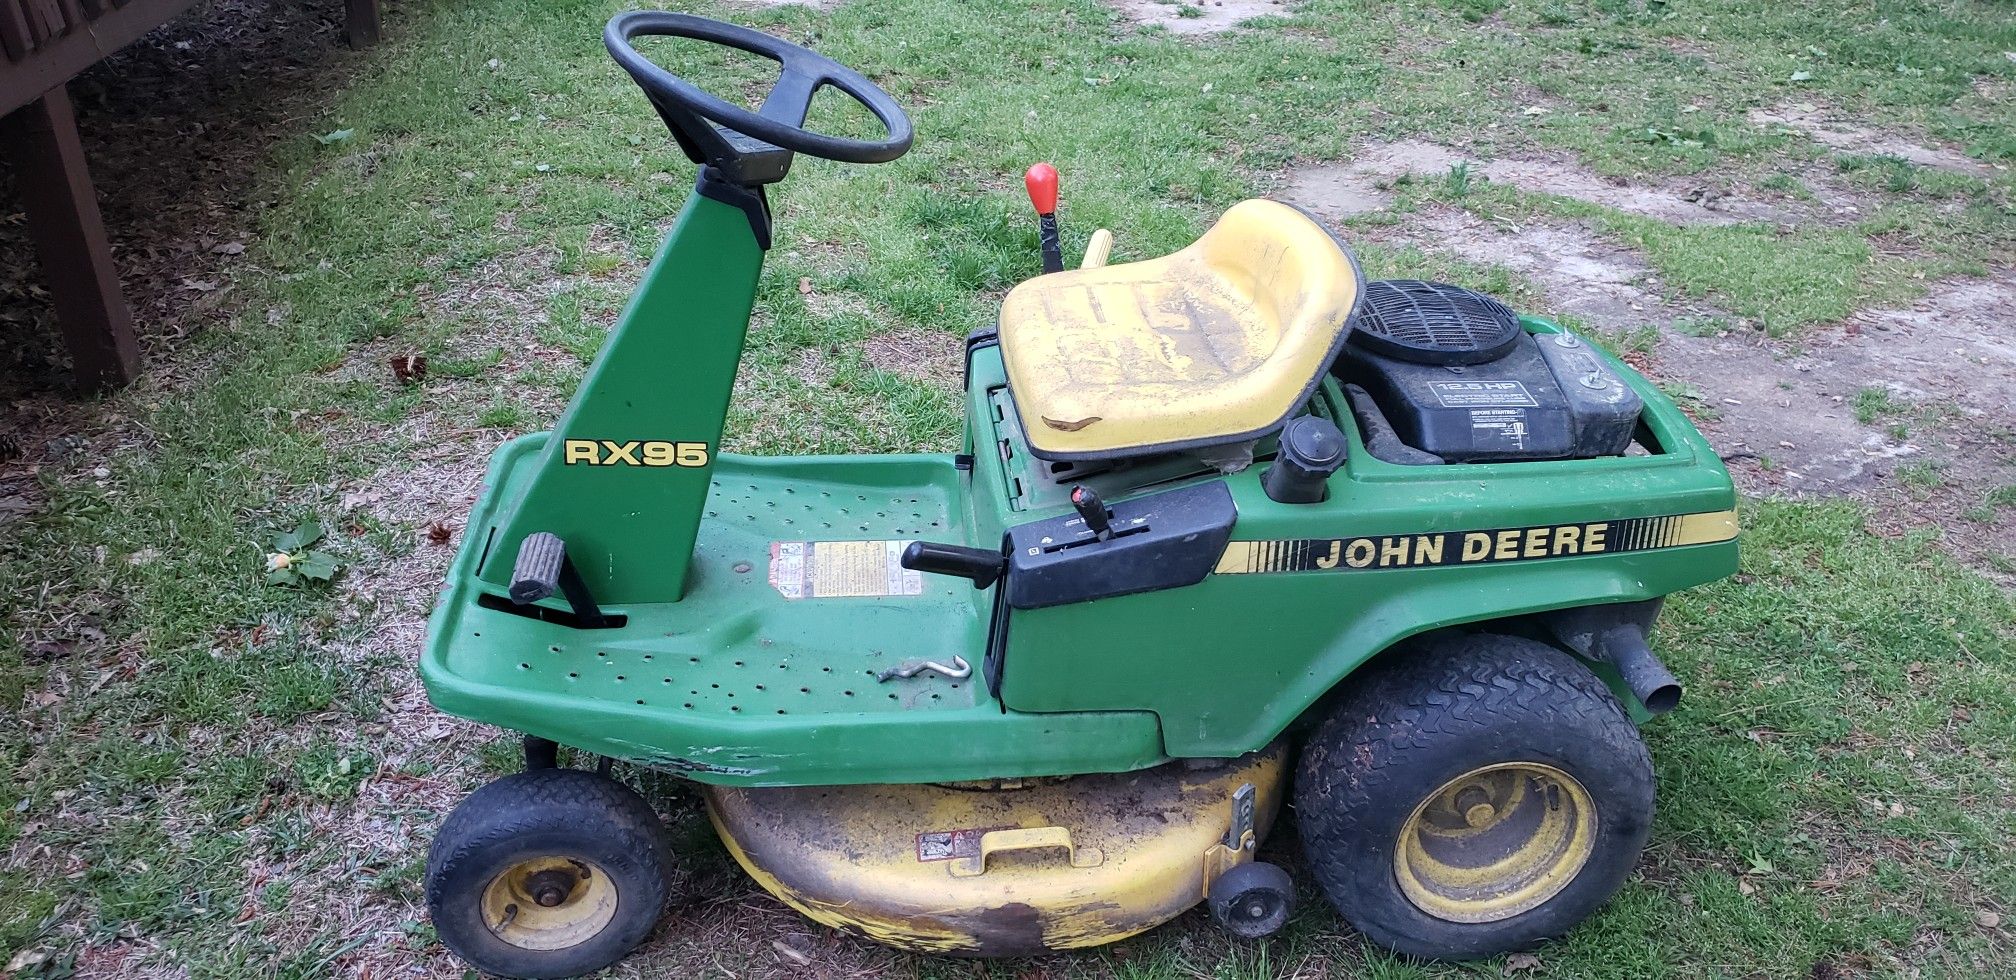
pixel 1624 647
pixel 1615 634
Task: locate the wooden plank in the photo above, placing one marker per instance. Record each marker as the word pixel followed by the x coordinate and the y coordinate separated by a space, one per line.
pixel 360 22
pixel 60 59
pixel 14 30
pixel 69 235
pixel 73 14
pixel 45 21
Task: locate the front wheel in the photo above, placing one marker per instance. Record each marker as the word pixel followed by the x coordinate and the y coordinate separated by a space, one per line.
pixel 547 873
pixel 1476 795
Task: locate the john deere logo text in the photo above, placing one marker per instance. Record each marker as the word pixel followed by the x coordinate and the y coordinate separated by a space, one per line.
pixel 609 452
pixel 1477 547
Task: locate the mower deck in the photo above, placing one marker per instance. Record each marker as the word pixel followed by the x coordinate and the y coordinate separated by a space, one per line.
pixel 757 634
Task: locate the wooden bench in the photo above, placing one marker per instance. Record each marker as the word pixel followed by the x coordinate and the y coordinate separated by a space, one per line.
pixel 44 44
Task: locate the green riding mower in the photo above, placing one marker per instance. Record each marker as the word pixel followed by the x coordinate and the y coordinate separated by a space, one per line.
pixel 1229 528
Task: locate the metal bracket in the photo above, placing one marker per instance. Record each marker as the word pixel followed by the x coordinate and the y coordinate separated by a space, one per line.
pixel 1240 840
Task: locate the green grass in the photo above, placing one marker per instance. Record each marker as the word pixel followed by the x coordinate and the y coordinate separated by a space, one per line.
pixel 1834 792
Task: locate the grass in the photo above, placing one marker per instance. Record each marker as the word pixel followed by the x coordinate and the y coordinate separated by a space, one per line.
pixel 238 775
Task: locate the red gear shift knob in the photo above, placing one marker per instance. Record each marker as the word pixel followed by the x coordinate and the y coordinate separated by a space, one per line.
pixel 1042 183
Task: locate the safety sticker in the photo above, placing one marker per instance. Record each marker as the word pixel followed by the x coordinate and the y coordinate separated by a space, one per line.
pixel 945 845
pixel 830 569
pixel 1503 428
pixel 1483 394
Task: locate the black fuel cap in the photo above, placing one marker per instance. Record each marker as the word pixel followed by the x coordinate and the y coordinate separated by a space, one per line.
pixel 1312 448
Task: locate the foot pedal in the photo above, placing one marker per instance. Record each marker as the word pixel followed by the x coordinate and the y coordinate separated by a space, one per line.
pixel 541 558
pixel 543 569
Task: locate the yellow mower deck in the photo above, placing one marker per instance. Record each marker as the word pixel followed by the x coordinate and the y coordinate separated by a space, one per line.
pixel 1051 865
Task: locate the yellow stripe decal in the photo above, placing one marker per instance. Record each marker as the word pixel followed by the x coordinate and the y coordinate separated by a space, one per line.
pixel 1477 547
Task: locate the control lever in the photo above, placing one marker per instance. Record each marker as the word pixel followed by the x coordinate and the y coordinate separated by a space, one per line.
pixel 1098 519
pixel 982 566
pixel 1041 181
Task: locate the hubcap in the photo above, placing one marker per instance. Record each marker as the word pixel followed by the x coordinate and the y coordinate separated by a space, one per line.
pixel 549 903
pixel 1495 842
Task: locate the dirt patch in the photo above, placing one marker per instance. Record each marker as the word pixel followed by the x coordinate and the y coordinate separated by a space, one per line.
pixel 1904 409
pixel 1198 18
pixel 1835 131
pixel 1364 185
pixel 172 125
pixel 931 356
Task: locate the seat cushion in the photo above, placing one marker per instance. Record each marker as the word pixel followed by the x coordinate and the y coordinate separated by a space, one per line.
pixel 1215 344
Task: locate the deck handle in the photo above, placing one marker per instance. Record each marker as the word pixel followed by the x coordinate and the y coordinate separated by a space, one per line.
pixel 1026 839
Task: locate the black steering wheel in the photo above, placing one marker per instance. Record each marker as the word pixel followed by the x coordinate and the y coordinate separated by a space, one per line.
pixel 780 123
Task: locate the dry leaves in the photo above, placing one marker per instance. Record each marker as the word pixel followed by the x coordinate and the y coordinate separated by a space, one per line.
pixel 409 368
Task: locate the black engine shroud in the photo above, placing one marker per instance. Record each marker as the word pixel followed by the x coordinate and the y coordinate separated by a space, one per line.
pixel 1476 387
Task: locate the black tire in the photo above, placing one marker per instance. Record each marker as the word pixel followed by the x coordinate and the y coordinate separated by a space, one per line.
pixel 1253 900
pixel 568 825
pixel 1439 712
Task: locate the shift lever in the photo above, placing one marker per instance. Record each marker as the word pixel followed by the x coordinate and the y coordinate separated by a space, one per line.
pixel 1041 180
pixel 1098 519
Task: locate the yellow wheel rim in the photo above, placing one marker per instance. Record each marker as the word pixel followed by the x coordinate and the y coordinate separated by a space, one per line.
pixel 1495 842
pixel 549 903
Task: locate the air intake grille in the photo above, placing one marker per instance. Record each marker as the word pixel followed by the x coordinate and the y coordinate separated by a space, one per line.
pixel 1434 323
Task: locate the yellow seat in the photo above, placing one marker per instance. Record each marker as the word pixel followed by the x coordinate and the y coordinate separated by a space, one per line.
pixel 1215 344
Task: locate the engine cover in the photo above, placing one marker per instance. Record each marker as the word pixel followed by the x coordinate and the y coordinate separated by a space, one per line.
pixel 1547 396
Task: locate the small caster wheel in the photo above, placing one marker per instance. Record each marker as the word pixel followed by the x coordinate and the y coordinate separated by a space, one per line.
pixel 547 873
pixel 1253 900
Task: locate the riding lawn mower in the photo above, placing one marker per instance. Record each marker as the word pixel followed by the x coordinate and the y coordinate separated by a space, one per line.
pixel 1229 528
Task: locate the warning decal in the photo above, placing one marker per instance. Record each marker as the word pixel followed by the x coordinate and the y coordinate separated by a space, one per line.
pixel 945 845
pixel 1482 394
pixel 829 569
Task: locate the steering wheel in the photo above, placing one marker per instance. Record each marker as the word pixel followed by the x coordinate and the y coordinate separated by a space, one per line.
pixel 693 114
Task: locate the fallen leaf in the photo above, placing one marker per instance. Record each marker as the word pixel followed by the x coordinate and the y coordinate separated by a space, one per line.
pixel 804 286
pixel 409 368
pixel 1744 886
pixel 790 954
pixel 27 958
pixel 439 533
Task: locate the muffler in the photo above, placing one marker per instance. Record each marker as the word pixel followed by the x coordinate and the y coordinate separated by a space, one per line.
pixel 1624 647
pixel 1615 634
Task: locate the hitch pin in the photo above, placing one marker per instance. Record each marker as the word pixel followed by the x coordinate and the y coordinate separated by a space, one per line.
pixel 959 670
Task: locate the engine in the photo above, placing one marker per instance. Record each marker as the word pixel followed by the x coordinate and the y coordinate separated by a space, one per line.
pixel 1440 374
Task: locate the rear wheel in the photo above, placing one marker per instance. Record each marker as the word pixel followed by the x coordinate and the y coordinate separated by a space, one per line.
pixel 547 873
pixel 1477 794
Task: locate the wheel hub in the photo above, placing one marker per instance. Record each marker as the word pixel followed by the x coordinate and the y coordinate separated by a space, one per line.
pixel 1495 842
pixel 548 903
